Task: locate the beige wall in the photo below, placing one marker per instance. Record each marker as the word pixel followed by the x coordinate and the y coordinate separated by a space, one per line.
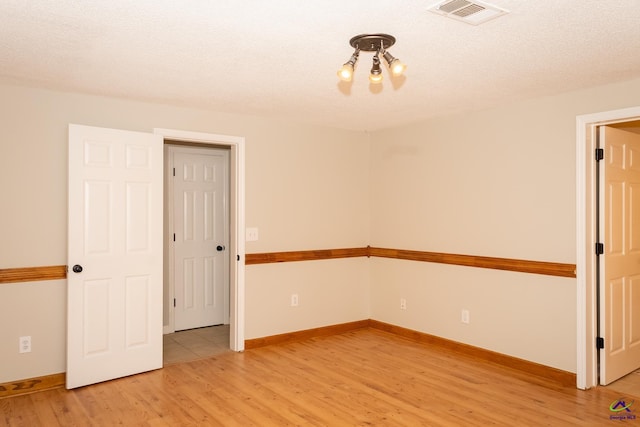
pixel 306 188
pixel 497 183
pixel 329 291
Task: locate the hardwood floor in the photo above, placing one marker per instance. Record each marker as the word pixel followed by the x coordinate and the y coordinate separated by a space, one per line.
pixel 363 377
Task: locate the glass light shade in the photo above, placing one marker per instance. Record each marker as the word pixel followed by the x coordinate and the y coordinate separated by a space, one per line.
pixel 346 72
pixel 397 67
pixel 375 78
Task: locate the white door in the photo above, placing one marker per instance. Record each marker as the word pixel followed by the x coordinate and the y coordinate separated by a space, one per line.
pixel 114 292
pixel 620 263
pixel 201 237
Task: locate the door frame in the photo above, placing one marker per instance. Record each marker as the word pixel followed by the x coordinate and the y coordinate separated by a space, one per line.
pixel 236 221
pixel 586 228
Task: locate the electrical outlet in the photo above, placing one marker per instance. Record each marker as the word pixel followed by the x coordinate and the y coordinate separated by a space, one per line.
pixel 294 300
pixel 465 316
pixel 24 344
pixel 403 304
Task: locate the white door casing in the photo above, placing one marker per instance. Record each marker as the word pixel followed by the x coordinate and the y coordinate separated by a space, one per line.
pixel 200 236
pixel 115 203
pixel 236 247
pixel 620 262
pixel 586 225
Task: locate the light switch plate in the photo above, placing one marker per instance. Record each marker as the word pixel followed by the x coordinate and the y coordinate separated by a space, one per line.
pixel 251 234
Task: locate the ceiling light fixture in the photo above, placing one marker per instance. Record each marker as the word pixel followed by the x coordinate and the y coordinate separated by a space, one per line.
pixel 378 43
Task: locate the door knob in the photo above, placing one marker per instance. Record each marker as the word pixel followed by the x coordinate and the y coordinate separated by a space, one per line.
pixel 77 268
pixel 220 248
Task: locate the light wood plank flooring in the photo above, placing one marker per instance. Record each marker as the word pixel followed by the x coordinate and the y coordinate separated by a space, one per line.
pixel 363 377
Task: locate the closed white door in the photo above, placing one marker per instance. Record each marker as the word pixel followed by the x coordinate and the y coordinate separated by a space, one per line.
pixel 620 264
pixel 201 237
pixel 114 254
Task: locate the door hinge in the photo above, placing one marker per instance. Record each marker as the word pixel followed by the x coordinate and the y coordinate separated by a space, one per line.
pixel 238 257
pixel 174 237
pixel 174 171
pixel 599 342
pixel 599 154
pixel 599 248
pixel 174 302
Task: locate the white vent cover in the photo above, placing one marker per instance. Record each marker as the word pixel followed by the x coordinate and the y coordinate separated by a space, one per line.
pixel 471 12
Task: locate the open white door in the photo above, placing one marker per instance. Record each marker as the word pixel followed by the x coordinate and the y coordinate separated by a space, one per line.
pixel 115 254
pixel 620 263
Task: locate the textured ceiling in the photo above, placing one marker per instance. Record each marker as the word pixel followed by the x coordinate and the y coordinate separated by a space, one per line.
pixel 278 58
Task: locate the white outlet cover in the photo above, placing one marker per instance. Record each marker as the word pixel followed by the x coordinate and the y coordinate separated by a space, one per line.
pixel 465 316
pixel 24 344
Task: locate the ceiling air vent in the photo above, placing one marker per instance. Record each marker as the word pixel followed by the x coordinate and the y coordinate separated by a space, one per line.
pixel 471 12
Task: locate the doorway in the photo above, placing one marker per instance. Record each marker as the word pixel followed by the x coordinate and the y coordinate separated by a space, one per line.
pixel 115 307
pixel 586 236
pixel 236 247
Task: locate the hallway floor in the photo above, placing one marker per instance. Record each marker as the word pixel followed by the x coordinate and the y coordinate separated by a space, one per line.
pixel 194 344
pixel 629 385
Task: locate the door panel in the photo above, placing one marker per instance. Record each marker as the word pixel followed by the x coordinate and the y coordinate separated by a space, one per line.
pixel 115 235
pixel 634 290
pixel 200 212
pixel 620 263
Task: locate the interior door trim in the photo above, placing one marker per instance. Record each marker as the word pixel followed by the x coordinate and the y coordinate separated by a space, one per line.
pixel 237 220
pixel 586 274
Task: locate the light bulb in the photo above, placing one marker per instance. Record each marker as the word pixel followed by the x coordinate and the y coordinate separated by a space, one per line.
pixel 397 67
pixel 346 72
pixel 375 78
